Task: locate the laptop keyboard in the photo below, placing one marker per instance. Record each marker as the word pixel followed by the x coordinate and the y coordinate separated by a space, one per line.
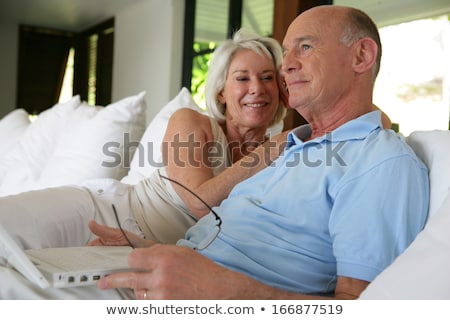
pixel 82 258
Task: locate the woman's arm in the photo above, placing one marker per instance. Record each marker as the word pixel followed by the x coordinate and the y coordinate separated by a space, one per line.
pixel 385 120
pixel 186 158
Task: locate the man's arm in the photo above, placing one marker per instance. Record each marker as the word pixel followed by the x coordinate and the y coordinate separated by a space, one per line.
pixel 174 272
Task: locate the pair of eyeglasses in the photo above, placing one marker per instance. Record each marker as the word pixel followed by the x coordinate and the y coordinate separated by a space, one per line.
pixel 120 227
pixel 211 236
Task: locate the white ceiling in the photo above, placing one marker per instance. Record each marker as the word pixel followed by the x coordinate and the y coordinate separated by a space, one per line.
pixel 77 15
pixel 387 12
pixel 69 15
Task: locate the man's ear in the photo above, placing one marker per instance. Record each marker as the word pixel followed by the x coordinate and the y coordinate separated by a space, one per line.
pixel 365 55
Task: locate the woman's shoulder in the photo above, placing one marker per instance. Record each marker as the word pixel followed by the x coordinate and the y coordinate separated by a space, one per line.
pixel 190 120
pixel 187 113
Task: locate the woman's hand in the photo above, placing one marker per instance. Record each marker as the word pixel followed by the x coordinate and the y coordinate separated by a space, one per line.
pixel 108 236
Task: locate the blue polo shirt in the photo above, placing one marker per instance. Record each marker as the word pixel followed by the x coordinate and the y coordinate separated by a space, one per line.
pixel 344 204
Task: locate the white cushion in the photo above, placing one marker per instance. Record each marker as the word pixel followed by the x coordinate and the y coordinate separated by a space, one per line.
pixel 26 160
pixel 433 147
pixel 423 270
pixel 12 126
pixel 147 157
pixel 93 144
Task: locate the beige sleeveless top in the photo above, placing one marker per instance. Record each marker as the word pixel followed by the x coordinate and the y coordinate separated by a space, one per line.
pixel 159 211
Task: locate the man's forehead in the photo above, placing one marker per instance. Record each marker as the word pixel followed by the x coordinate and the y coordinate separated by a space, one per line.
pixel 312 25
pixel 295 41
pixel 301 29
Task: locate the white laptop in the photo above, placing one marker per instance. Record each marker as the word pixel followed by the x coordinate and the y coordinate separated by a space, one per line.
pixel 63 267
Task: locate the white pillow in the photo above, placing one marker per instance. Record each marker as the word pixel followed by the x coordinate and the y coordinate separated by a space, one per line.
pixel 12 126
pixel 433 147
pixel 147 157
pixel 26 160
pixel 92 144
pixel 423 270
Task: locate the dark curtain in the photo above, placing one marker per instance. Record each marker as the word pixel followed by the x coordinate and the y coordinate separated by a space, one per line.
pixel 43 55
pixel 105 49
pixel 42 61
pixel 104 66
pixel 81 67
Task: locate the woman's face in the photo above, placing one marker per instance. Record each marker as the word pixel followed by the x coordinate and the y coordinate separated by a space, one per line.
pixel 251 92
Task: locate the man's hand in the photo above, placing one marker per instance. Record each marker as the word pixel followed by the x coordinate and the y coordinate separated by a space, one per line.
pixel 171 272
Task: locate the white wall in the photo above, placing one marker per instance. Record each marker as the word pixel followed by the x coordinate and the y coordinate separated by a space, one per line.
pixel 148 52
pixel 9 38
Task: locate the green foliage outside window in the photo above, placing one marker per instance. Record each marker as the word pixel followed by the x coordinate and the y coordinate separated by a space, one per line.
pixel 200 71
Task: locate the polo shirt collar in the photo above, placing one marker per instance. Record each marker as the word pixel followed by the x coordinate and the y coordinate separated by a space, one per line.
pixel 355 129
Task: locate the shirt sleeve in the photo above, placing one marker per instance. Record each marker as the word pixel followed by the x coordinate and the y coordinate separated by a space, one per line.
pixel 376 215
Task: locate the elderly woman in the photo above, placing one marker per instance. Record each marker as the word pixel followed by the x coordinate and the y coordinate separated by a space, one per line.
pixel 206 154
